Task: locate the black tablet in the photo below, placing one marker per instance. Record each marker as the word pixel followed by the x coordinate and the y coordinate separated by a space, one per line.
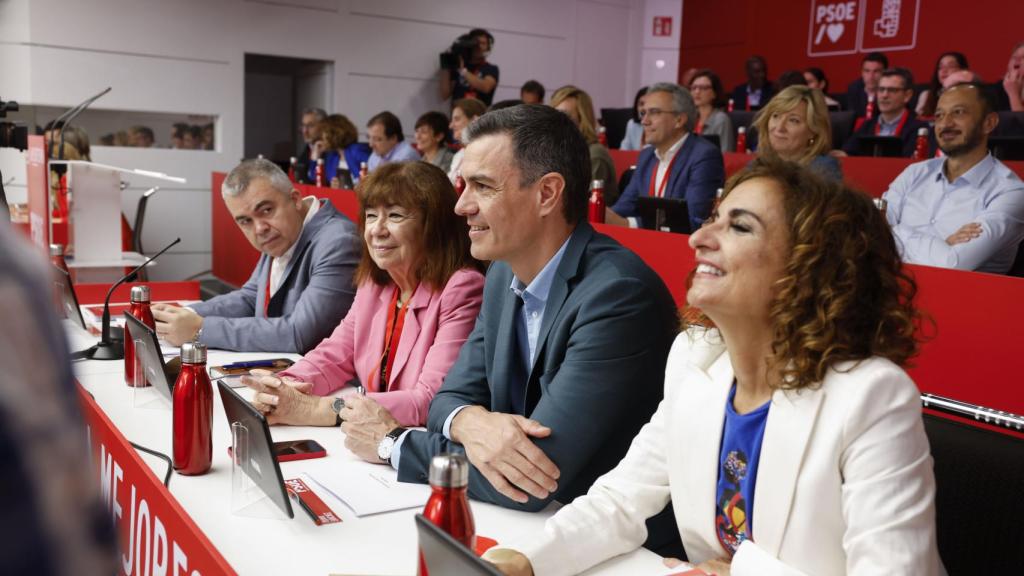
pixel 161 375
pixel 64 293
pixel 446 555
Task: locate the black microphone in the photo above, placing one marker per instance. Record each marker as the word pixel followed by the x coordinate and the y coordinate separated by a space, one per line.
pixel 108 348
pixel 70 115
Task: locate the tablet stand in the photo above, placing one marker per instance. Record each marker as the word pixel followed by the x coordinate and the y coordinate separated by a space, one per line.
pixel 247 498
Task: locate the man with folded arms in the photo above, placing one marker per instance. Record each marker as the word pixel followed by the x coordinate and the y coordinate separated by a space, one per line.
pixel 965 210
pixel 302 285
pixel 565 361
pixel 894 118
pixel 677 164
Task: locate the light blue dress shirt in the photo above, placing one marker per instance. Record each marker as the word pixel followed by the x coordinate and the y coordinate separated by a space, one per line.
pixel 535 299
pixel 925 208
pixel 402 152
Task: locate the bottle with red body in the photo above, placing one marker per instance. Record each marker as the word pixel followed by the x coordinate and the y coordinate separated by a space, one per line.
pixel 460 185
pixel 448 506
pixel 882 206
pixel 597 202
pixel 732 106
pixel 363 170
pixel 319 171
pixel 921 146
pixel 139 308
pixel 869 110
pixel 741 140
pixel 193 413
pixel 602 135
pixel 57 257
pixel 293 163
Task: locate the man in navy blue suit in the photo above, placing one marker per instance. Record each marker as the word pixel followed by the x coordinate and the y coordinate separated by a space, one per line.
pixel 676 164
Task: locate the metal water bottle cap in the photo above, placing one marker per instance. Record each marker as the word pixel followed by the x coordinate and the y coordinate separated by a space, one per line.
pixel 922 131
pixel 449 471
pixel 719 192
pixel 880 203
pixel 742 130
pixel 597 185
pixel 56 250
pixel 140 294
pixel 193 353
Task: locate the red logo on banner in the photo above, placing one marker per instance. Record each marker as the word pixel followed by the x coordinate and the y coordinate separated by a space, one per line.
pixel 662 25
pixel 889 24
pixel 833 28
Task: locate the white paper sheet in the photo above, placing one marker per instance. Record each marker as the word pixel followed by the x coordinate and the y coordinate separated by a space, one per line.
pixel 366 488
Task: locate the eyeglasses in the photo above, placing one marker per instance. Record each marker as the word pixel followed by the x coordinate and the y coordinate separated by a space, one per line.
pixel 655 112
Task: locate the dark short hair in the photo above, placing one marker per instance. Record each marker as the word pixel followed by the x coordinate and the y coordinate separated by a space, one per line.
pixel 436 121
pixel 876 57
pixel 757 58
pixel 392 125
pixel 543 141
pixel 988 104
pixel 716 87
pixel 425 189
pixel 471 107
pixel 145 131
pixel 477 32
pixel 502 104
pixel 533 87
pixel 908 78
pixel 790 78
pixel 818 73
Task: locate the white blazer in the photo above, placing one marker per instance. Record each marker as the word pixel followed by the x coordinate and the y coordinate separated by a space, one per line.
pixel 844 482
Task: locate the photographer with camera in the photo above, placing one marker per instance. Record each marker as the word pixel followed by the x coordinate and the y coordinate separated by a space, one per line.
pixel 465 72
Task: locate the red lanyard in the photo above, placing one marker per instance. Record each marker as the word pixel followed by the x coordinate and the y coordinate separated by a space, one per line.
pixel 698 129
pixel 899 127
pixel 392 335
pixel 660 192
pixel 266 298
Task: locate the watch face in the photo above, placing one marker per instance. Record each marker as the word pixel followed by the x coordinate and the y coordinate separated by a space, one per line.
pixel 385 447
pixel 338 404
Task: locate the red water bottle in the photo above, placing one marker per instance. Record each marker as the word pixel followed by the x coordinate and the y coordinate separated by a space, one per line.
pixel 293 163
pixel 732 105
pixel 869 110
pixel 363 170
pixel 602 135
pixel 139 308
pixel 597 202
pixel 741 140
pixel 193 413
pixel 448 507
pixel 460 185
pixel 320 172
pixel 921 146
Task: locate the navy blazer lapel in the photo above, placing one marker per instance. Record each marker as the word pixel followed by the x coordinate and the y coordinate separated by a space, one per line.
pixel 505 346
pixel 568 268
pixel 679 164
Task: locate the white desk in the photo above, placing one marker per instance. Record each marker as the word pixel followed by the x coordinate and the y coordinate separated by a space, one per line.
pixel 384 544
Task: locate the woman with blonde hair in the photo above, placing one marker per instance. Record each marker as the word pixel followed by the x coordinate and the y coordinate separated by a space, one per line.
pixel 795 127
pixel 577 104
pixel 790 439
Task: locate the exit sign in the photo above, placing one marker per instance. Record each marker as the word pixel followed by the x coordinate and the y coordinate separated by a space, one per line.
pixel 662 25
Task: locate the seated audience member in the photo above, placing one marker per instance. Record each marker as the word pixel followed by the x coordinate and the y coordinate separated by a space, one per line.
pixel 178 130
pixel 634 138
pixel 675 165
pixel 463 112
pixel 54 521
pixel 193 134
pixel 532 92
pixel 142 136
pixel 862 90
pixel 338 144
pixel 790 78
pixel 796 396
pixel 758 90
pixel 302 285
pixel 387 141
pixel 76 136
pixel 795 127
pixel 477 78
pixel 709 98
pixel 895 90
pixel 207 143
pixel 418 297
pixel 966 210
pixel 502 104
pixel 572 324
pixel 948 63
pixel 815 78
pixel 432 140
pixel 309 127
pixel 576 104
pixel 1011 91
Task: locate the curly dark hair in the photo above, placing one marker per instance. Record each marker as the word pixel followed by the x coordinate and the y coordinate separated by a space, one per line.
pixel 845 294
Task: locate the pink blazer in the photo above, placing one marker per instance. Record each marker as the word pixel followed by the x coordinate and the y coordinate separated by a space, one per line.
pixel 436 325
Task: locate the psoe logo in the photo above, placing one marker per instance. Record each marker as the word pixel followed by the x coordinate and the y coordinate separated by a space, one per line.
pixel 888 24
pixel 834 27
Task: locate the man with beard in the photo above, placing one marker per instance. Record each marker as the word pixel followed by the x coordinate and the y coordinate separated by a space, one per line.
pixel 965 210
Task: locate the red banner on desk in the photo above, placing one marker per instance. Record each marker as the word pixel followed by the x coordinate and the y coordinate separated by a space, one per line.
pixel 38 192
pixel 155 534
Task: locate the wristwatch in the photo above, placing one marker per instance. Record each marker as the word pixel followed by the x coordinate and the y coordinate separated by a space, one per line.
pixel 337 406
pixel 387 444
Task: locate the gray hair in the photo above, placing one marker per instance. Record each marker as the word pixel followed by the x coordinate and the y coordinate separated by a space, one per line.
pixel 320 113
pixel 249 171
pixel 682 101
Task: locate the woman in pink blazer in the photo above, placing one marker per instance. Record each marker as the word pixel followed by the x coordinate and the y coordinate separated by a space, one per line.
pixel 419 292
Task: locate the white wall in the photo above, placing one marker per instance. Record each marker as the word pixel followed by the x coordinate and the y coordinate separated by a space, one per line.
pixel 187 56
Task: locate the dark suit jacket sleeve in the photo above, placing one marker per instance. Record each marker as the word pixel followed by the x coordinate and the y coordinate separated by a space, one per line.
pixel 625 206
pixel 320 308
pixel 707 175
pixel 241 302
pixel 613 366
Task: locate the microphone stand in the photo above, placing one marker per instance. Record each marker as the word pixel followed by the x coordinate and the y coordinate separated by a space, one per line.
pixel 108 348
pixel 70 115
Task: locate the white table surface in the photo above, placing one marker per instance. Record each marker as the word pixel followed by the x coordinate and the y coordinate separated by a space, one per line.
pixel 383 544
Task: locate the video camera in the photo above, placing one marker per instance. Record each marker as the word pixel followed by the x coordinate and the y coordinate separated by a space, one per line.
pixel 463 48
pixel 12 134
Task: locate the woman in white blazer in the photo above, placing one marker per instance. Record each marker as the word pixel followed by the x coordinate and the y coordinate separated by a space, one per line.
pixel 790 440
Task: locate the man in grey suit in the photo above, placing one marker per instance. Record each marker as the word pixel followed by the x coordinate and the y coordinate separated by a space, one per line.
pixel 310 252
pixel 566 361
